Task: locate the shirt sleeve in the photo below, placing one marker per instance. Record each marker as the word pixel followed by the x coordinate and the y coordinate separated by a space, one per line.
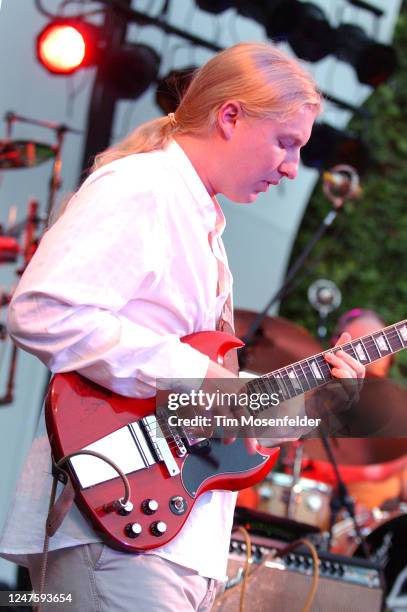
pixel 80 303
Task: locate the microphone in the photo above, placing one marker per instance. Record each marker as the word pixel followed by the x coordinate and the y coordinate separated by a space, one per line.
pixel 340 183
pixel 340 180
pixel 325 297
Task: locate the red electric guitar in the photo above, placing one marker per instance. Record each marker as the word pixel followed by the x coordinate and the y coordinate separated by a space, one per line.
pixel 167 469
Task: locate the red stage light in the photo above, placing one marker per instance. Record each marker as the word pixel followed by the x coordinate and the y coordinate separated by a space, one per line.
pixel 61 48
pixel 9 250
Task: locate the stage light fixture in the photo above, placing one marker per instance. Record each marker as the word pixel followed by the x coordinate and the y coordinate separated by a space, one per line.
pixel 215 6
pixel 374 62
pixel 306 29
pixel 65 46
pixel 312 39
pixel 172 87
pixel 329 146
pixel 131 70
pixel 304 26
pixel 279 17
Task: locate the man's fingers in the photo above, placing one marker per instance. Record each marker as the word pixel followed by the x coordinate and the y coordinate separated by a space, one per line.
pixel 251 445
pixel 344 362
pixel 357 368
pixel 235 428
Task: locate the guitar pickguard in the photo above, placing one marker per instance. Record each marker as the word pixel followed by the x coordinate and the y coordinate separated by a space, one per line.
pixel 217 460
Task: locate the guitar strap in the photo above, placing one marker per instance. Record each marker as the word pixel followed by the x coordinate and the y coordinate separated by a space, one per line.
pixel 224 284
pixel 59 509
pixel 226 324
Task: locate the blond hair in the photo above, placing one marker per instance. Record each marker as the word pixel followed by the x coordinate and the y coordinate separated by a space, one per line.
pixel 265 81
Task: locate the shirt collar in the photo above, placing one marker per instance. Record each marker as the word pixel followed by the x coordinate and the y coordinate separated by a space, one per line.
pixel 209 207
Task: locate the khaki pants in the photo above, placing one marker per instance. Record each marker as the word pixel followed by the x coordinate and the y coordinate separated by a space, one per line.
pixel 101 579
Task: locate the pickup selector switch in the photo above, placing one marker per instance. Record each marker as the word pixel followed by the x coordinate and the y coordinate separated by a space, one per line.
pixel 149 506
pixel 158 528
pixel 178 504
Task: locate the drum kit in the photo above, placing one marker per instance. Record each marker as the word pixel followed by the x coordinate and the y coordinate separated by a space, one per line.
pixel 303 488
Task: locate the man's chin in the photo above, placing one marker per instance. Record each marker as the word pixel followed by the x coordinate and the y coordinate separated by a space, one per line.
pixel 248 198
pixel 243 198
pixel 253 197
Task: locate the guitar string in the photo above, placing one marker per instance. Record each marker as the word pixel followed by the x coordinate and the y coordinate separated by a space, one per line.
pixel 368 342
pixel 308 370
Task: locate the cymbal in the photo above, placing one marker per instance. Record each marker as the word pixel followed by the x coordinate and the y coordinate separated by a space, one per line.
pixel 277 344
pixel 24 154
pixel 358 451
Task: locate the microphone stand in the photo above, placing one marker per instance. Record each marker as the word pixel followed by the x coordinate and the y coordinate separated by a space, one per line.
pixel 342 499
pixel 250 337
pixel 337 194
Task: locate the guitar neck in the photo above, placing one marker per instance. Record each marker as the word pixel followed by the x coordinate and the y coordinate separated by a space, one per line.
pixel 315 371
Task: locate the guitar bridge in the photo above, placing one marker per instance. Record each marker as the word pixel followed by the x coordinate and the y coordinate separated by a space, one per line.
pixel 180 448
pixel 159 443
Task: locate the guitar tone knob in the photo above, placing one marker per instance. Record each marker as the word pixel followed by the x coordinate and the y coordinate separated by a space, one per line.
pixel 158 528
pixel 149 506
pixel 133 530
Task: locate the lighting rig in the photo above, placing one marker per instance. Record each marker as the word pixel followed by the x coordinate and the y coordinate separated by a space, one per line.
pixel 124 71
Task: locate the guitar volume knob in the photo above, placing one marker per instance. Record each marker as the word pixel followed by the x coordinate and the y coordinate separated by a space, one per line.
pixel 133 530
pixel 149 506
pixel 126 509
pixel 158 528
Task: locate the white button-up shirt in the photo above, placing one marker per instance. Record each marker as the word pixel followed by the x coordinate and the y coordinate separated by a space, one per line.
pixel 131 266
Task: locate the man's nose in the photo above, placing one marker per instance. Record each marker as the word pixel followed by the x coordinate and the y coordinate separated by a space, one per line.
pixel 289 167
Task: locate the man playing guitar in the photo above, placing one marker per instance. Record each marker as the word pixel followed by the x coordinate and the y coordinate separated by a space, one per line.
pixel 135 263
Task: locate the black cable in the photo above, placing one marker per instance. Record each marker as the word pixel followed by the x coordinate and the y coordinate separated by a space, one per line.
pixel 343 499
pixel 54 16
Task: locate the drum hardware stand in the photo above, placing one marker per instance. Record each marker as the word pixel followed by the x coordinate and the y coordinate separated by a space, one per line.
pixel 33 221
pixel 29 226
pixel 296 477
pixel 342 499
pixel 8 396
pixel 337 190
pixel 60 130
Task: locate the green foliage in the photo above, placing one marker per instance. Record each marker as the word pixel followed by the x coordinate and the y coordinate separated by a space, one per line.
pixel 365 252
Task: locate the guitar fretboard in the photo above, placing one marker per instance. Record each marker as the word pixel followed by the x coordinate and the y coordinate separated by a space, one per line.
pixel 315 371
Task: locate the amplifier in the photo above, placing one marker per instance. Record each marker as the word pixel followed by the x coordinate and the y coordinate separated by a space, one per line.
pixel 278 584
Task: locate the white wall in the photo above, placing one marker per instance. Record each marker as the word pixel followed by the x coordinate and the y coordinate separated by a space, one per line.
pixel 258 237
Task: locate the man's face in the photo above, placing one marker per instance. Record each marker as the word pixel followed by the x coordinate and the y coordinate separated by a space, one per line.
pixel 261 152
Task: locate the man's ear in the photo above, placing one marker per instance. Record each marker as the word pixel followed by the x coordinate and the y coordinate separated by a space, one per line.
pixel 229 115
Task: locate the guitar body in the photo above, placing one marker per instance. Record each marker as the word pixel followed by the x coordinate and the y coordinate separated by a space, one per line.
pixel 80 414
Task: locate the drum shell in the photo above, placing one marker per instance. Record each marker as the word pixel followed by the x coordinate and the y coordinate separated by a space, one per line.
pixel 310 499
